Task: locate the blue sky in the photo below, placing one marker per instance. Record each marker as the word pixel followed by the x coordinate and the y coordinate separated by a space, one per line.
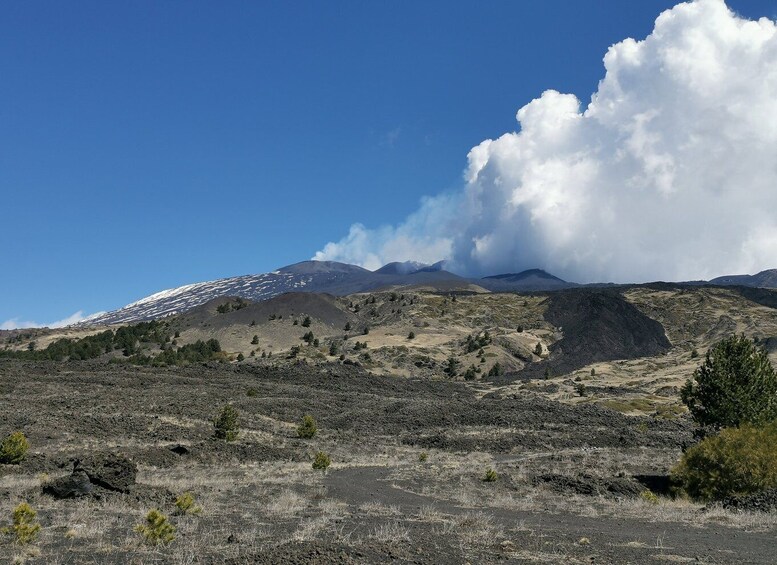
pixel 146 145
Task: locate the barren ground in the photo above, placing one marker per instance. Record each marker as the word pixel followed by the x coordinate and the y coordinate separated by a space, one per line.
pixel 570 476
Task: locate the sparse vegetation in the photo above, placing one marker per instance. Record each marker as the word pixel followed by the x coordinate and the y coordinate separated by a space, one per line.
pixel 496 370
pixel 24 526
pixel 232 306
pixel 307 429
pixel 156 529
pixel 186 504
pixel 14 448
pixel 737 461
pixel 490 476
pixel 321 461
pixel 649 496
pixel 226 424
pixel 736 384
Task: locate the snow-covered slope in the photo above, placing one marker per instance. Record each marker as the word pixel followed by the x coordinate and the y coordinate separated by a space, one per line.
pixel 308 276
pixel 299 277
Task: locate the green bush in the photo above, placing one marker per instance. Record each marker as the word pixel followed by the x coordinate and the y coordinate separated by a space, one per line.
pixel 185 504
pixel 423 457
pixel 225 425
pixel 737 461
pixel 321 461
pixel 14 448
pixel 24 528
pixel 307 429
pixel 490 476
pixel 156 528
pixel 649 496
pixel 735 384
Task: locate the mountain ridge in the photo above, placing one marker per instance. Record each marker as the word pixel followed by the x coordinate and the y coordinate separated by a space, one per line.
pixel 342 278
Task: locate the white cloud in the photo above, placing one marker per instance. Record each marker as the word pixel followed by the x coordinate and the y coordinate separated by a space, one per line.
pixel 17 323
pixel 670 172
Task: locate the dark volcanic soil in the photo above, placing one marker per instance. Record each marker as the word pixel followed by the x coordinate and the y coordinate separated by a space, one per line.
pixel 598 325
pixel 263 503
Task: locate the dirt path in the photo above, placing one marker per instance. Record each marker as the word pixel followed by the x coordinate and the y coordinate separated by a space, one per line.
pixel 612 540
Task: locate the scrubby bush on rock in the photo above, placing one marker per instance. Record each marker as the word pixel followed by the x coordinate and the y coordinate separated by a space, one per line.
pixel 24 528
pixel 14 448
pixel 185 504
pixel 321 461
pixel 307 429
pixel 156 529
pixel 737 461
pixel 490 476
pixel 226 425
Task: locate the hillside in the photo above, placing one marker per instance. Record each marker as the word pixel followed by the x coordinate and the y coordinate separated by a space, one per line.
pixel 629 347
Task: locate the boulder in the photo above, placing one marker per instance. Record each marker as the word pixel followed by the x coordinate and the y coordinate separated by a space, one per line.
pixel 73 486
pixel 109 471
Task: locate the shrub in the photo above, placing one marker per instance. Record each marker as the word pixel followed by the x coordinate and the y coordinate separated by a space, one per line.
pixel 735 384
pixel 252 392
pixel 649 496
pixel 593 372
pixel 496 370
pixel 737 461
pixel 255 340
pixel 306 322
pixel 490 476
pixel 24 528
pixel 321 461
pixel 333 349
pixel 307 429
pixel 580 389
pixel 411 335
pixel 423 457
pixel 241 357
pixel 225 424
pixel 156 528
pixel 538 349
pixel 185 504
pixel 14 448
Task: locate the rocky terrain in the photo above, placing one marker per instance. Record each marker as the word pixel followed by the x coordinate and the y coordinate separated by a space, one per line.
pixel 570 398
pixel 406 482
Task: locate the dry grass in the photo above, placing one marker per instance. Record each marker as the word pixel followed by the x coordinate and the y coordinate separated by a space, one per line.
pixel 391 532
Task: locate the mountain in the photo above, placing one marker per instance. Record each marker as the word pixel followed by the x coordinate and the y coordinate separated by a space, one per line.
pixel 405 268
pixel 308 276
pixel 764 279
pixel 531 279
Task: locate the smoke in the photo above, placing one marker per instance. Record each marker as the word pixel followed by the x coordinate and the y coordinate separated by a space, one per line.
pixel 670 172
pixel 16 323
